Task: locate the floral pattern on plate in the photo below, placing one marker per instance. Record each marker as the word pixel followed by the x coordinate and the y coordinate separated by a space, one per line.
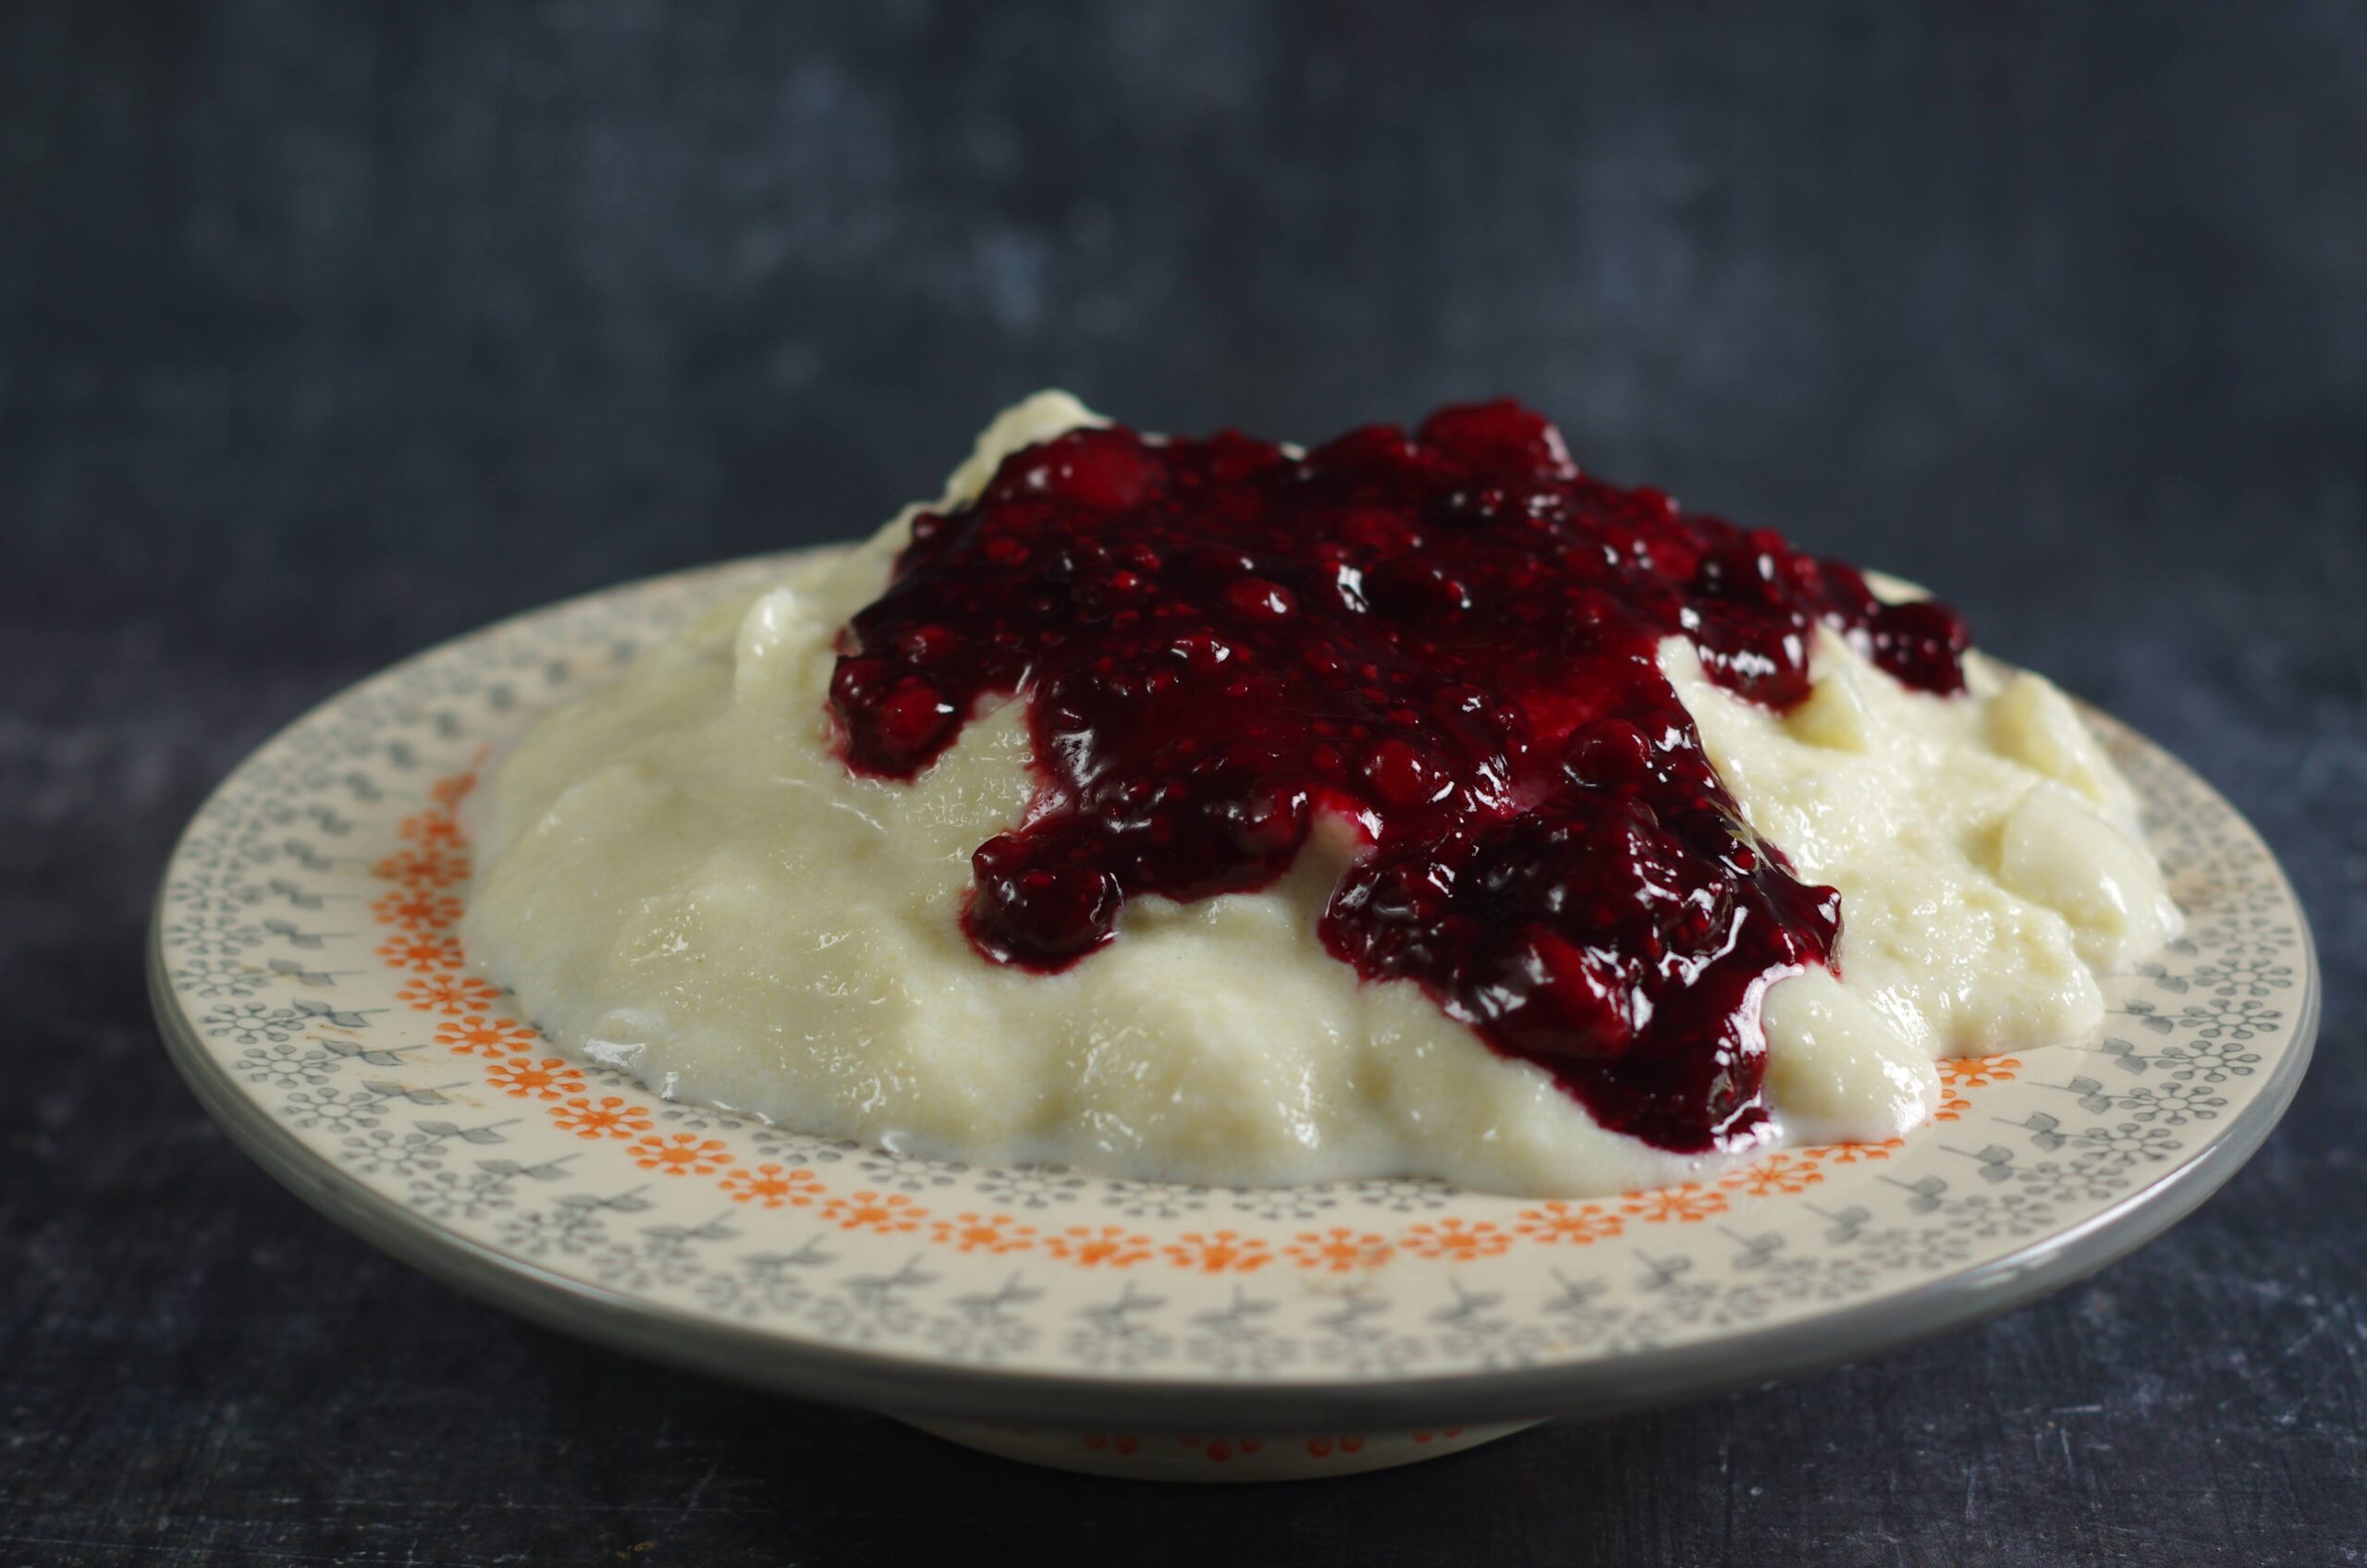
pixel 308 967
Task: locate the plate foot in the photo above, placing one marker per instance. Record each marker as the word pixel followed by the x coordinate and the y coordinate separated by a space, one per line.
pixel 1157 1456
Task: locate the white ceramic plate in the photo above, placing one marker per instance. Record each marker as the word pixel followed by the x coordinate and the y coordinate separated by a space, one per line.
pixel 312 990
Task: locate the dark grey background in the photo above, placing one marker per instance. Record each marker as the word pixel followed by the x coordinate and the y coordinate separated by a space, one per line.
pixel 326 331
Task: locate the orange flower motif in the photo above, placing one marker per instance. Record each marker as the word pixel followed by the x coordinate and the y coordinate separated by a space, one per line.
pixel 769 1186
pixel 1339 1250
pixel 1952 1107
pixel 1096 1246
pixel 681 1154
pixel 1856 1154
pixel 1776 1173
pixel 425 867
pixel 978 1232
pixel 432 827
pixel 485 1037
pixel 1978 1072
pixel 522 1077
pixel 1688 1201
pixel 886 1214
pixel 1219 1451
pixel 1217 1252
pixel 416 910
pixel 420 952
pixel 450 791
pixel 1459 1239
pixel 451 995
pixel 1573 1223
pixel 611 1118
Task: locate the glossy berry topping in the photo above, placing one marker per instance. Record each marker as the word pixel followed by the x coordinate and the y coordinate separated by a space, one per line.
pixel 1448 640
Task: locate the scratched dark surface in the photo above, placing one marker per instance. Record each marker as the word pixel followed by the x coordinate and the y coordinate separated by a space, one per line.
pixel 329 331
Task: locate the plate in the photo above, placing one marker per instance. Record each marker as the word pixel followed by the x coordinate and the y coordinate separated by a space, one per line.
pixel 312 990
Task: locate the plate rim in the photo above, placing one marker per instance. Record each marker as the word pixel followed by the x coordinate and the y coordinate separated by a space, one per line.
pixel 873 1379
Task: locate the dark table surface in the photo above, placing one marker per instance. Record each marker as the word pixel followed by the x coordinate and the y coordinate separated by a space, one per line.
pixel 329 331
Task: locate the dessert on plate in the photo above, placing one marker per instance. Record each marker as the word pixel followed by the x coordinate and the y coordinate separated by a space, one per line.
pixel 1219 812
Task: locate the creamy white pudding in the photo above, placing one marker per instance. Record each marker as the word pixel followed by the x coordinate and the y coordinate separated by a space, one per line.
pixel 680 875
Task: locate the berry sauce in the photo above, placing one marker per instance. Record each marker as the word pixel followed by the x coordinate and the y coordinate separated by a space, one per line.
pixel 1447 639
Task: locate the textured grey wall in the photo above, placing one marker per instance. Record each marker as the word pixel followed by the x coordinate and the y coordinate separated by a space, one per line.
pixel 567 291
